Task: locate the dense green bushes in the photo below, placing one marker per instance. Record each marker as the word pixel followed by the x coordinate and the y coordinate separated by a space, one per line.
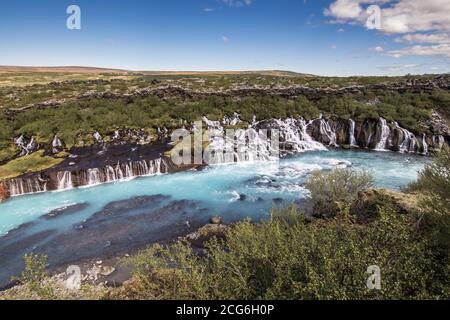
pixel 296 260
pixel 85 117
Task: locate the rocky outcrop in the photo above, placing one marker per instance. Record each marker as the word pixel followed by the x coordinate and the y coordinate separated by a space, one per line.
pixel 4 192
pixel 165 91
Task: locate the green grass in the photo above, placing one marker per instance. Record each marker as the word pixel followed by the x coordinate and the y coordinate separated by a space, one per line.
pixel 32 163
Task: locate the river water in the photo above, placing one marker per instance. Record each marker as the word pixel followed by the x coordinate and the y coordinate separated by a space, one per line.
pixel 247 189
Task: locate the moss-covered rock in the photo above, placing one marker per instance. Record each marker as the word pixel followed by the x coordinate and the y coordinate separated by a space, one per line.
pixel 367 206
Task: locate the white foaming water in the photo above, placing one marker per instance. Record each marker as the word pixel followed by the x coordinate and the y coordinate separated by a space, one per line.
pixel 294 132
pixel 64 180
pixel 424 144
pixel 384 135
pixel 352 129
pixel 253 145
pixel 88 178
pixel 327 131
pixel 409 141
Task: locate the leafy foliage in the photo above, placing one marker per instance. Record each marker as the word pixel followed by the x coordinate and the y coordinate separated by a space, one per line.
pixel 434 182
pixel 296 260
pixel 333 192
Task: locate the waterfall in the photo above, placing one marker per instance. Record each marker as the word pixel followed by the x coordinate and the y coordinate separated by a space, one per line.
pixel 351 130
pixel 93 176
pixel 123 171
pixel 384 133
pixel 305 142
pixel 424 144
pixel 409 142
pixel 294 133
pixel 328 132
pixel 256 143
pixel 438 142
pixel 22 186
pixel 64 180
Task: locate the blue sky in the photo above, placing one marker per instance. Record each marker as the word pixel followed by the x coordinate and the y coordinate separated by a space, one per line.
pixel 297 35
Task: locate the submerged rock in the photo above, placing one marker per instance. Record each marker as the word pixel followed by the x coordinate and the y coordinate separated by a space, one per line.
pixel 65 211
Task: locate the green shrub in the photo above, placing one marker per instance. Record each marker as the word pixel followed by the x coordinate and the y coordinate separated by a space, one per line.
pixel 324 259
pixel 434 183
pixel 332 192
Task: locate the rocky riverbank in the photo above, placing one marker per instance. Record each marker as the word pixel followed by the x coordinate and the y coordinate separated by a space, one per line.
pixel 126 155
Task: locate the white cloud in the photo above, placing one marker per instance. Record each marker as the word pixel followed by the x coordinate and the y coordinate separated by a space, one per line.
pixel 333 46
pixel 398 16
pixel 399 68
pixel 420 50
pixel 208 9
pixel 424 38
pixel 344 9
pixel 377 49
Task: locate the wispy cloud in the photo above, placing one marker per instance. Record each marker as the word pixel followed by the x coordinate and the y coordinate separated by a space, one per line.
pixel 420 50
pixel 404 67
pixel 237 3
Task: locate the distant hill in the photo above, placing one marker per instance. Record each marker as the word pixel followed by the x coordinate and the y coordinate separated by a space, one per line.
pixel 274 73
pixel 67 69
pixel 94 70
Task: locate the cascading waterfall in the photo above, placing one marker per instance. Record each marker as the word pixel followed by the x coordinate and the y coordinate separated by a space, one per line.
pixel 409 142
pixel 90 177
pixel 292 135
pixel 328 132
pixel 424 144
pixel 385 132
pixel 64 180
pixel 93 176
pixel 21 186
pixel 352 129
pixel 122 171
pixel 256 143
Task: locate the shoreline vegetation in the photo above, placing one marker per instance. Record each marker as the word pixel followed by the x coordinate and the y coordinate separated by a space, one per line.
pixel 295 254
